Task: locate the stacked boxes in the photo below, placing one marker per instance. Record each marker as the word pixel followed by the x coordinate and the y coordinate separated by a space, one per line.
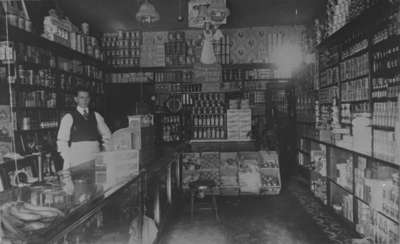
pixel 238 124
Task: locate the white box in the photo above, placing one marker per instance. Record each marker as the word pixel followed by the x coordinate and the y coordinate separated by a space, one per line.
pixel 119 165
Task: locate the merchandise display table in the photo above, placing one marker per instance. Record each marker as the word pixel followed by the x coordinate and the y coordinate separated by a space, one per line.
pixel 234 173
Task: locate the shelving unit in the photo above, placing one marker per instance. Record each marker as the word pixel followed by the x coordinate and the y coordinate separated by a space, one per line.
pixel 361 169
pixel 42 77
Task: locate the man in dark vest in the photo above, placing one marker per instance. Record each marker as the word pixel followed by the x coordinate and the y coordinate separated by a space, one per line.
pixel 81 132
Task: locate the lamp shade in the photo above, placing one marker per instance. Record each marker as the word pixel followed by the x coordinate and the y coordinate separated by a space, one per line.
pixel 147 13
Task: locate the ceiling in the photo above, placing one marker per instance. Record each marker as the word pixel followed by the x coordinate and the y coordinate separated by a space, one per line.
pixel 112 15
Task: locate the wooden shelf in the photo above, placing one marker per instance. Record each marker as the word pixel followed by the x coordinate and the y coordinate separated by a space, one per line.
pixel 351 151
pixel 111 69
pixel 385 128
pixel 33 108
pixel 82 76
pixel 329 85
pixel 384 99
pixel 18 35
pixel 386 73
pixel 136 69
pixel 355 78
pixel 356 54
pixel 356 101
pixel 27 87
pixel 36 130
pixel 384 215
pixel 346 123
pixel 330 66
pixel 340 186
pixel 363 21
pixel 392 40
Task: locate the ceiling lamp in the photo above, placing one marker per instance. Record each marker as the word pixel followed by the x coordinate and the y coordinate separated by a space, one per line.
pixel 147 13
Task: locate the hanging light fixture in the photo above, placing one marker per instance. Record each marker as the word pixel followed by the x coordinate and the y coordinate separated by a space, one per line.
pixel 147 13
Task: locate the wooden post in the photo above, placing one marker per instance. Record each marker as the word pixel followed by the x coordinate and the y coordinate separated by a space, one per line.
pixel 157 204
pixel 169 183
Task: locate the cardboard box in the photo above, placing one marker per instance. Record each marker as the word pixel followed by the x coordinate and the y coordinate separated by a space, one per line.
pixel 143 129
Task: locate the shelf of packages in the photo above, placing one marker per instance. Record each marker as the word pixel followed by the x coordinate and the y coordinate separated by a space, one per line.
pixel 330 66
pixel 390 41
pixel 27 87
pixel 82 76
pixel 134 69
pixel 209 132
pixel 346 123
pixel 250 66
pixel 208 120
pixel 355 78
pixel 356 101
pixel 18 35
pixel 387 73
pixel 27 66
pixel 351 151
pixel 379 211
pixel 385 128
pixel 379 10
pixel 384 99
pixel 355 54
pixel 92 93
pixel 330 85
pixel 20 108
pixel 36 130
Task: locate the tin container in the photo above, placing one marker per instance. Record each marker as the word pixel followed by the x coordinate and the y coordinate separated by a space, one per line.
pixel 26 123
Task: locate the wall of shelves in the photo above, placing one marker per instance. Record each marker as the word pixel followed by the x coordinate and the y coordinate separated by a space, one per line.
pixel 40 79
pixel 357 86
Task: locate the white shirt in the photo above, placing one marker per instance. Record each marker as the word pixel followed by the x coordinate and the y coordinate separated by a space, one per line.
pixel 64 132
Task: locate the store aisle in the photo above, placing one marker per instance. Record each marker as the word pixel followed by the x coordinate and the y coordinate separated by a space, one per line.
pixel 283 219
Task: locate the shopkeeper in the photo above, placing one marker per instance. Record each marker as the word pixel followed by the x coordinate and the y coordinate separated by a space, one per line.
pixel 81 132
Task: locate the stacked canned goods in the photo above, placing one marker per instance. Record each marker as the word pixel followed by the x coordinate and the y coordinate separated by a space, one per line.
pixel 122 48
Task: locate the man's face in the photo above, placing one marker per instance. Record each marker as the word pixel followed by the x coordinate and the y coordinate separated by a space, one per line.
pixel 82 99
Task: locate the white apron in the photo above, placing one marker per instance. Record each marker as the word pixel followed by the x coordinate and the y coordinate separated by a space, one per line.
pixel 83 151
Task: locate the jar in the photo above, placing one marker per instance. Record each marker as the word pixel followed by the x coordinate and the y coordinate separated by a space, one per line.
pixel 12 19
pixel 28 25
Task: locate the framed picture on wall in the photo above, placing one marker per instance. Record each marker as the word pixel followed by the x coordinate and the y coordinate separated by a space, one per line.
pixel 199 12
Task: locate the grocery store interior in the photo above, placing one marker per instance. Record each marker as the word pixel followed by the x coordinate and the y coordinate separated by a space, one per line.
pixel 199 121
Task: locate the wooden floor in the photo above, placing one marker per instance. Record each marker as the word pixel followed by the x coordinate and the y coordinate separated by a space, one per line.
pixel 279 219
